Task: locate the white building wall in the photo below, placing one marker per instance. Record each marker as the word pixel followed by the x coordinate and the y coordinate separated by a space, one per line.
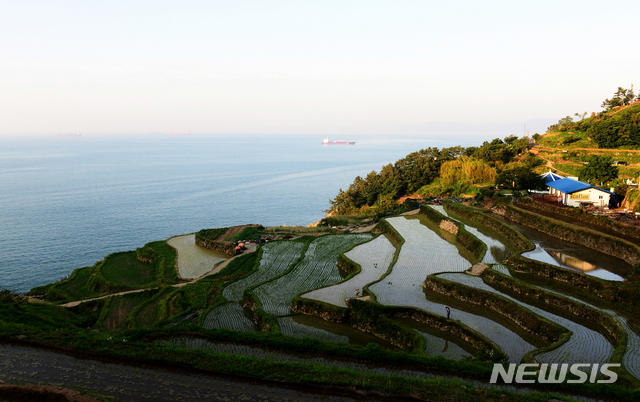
pixel 597 197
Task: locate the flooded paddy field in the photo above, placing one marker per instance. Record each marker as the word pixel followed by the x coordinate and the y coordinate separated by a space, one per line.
pixel 276 259
pixel 631 357
pixel 374 258
pixel 573 256
pixel 496 249
pixel 425 253
pixel 194 261
pixel 440 343
pixel 318 268
pixel 231 316
pixel 584 346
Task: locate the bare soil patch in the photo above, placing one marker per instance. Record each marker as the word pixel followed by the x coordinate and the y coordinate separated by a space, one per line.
pixel 233 231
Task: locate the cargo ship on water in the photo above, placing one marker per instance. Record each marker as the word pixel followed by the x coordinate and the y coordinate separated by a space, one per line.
pixel 340 142
pixel 187 133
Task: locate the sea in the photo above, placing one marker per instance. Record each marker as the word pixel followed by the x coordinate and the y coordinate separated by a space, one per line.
pixel 67 202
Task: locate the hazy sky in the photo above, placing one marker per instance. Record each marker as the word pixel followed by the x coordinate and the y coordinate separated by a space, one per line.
pixel 314 67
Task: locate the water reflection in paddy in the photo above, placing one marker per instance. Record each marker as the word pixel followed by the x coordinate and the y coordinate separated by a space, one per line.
pixel 573 256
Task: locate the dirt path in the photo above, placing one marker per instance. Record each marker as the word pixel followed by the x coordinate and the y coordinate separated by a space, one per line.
pixel 75 303
pixel 365 229
pixel 251 247
pixel 549 164
pixel 607 150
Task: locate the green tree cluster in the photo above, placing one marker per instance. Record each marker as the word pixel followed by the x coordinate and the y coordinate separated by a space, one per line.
pixel 616 130
pixel 620 98
pixel 478 165
pixel 520 177
pixel 379 190
pixel 599 169
pixel 459 176
pixel 498 152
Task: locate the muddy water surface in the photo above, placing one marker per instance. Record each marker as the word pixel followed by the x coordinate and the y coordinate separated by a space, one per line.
pixel 194 261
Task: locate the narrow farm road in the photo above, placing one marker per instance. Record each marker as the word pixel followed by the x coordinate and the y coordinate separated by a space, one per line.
pixel 250 249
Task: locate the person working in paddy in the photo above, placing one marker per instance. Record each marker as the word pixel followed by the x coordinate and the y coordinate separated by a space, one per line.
pixel 448 311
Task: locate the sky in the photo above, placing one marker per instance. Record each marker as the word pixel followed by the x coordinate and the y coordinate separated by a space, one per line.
pixel 328 68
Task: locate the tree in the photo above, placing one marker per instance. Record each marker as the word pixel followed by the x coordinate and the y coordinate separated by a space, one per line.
pixel 620 98
pixel 565 121
pixel 581 116
pixel 599 169
pixel 510 139
pixel 520 177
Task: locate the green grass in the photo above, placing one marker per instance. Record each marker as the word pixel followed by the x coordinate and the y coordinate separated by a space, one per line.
pixel 125 270
pixel 118 309
pixel 17 310
pixel 76 286
pixel 166 271
pixel 117 272
pixel 568 140
pixel 572 169
pixel 211 234
pixel 152 310
pixel 249 233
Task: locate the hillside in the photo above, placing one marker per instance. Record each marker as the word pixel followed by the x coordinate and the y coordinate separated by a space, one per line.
pixel 511 163
pixel 615 133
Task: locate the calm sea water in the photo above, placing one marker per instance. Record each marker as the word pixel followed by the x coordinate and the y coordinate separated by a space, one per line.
pixel 66 203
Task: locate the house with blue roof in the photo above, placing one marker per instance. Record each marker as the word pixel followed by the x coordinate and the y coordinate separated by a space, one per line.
pixel 575 193
pixel 550 176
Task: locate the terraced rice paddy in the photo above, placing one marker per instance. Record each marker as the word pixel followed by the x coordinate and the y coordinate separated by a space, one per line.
pixel 440 347
pixel 490 242
pixel 318 268
pixel 229 316
pixel 584 346
pixel 193 261
pixel 276 259
pixel 425 253
pixel 631 357
pixel 373 257
pixel 568 262
pixel 502 269
pixel 288 326
pixel 259 353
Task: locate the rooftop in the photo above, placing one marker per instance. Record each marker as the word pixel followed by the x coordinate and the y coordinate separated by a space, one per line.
pixel 550 176
pixel 569 186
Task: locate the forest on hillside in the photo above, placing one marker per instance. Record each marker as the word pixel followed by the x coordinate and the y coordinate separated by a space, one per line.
pixel 437 172
pixel 501 162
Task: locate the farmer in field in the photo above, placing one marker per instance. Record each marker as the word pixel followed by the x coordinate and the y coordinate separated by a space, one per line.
pixel 448 311
pixel 357 292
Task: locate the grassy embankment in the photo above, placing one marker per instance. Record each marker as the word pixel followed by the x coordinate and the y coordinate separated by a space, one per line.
pixel 169 304
pixel 150 266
